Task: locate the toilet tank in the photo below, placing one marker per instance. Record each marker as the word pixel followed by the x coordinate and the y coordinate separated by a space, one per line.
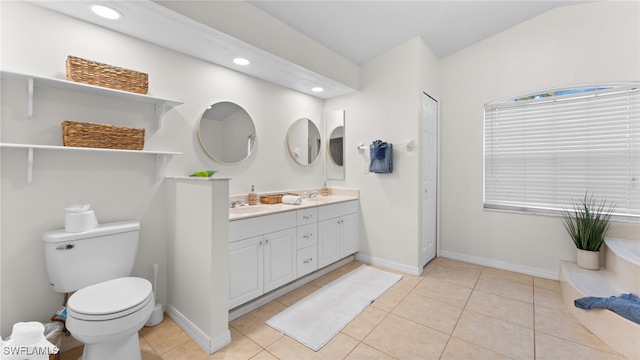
pixel 77 260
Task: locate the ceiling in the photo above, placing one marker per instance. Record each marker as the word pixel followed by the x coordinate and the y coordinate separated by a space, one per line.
pixel 356 30
pixel 362 30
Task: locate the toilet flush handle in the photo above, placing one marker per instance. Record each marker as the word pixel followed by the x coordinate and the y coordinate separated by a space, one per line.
pixel 65 247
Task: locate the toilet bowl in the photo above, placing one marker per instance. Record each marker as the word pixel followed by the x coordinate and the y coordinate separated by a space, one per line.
pixel 107 316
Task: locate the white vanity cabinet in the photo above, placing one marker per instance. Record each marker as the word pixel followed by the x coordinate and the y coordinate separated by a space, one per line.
pixel 262 254
pixel 338 234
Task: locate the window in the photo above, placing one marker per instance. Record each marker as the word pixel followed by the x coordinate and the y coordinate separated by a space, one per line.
pixel 545 150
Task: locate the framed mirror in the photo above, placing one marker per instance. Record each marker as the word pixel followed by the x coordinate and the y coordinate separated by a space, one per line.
pixel 227 133
pixel 303 141
pixel 335 135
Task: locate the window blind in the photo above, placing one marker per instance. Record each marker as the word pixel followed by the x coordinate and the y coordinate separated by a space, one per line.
pixel 541 155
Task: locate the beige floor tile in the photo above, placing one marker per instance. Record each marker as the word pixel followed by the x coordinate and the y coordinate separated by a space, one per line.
pixel 506 288
pixel 147 351
pixel 408 282
pixel 461 350
pixel 467 278
pixel 500 307
pixel 365 322
pixel 335 274
pixel 546 283
pixel 443 291
pixel 460 265
pixel 366 352
pixel 429 312
pixel 406 339
pixel 390 299
pixel 252 325
pixel 72 354
pixel 264 355
pixel 165 336
pixel 298 294
pixel 563 325
pixel 338 348
pixel 548 298
pixel 241 348
pixel 551 347
pixel 496 335
pixel 508 275
pixel 191 351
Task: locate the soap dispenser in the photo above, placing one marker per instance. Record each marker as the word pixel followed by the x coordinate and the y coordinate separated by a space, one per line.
pixel 252 198
pixel 325 190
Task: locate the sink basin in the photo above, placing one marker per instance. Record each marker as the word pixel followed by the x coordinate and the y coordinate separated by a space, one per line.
pixel 246 210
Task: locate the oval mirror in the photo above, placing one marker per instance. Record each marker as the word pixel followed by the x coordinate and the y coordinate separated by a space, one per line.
pixel 336 145
pixel 303 141
pixel 227 133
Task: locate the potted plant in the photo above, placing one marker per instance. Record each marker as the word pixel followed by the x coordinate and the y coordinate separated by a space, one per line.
pixel 587 224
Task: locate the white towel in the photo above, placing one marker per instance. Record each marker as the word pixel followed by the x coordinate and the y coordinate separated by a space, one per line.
pixel 292 200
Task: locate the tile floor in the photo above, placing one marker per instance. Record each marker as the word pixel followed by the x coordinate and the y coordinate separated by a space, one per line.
pixel 455 310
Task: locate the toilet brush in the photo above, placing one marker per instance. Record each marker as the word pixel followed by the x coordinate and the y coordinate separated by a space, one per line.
pixel 157 315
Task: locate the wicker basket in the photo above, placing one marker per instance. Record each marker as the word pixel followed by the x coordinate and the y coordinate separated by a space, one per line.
pixel 99 74
pixel 271 198
pixel 80 134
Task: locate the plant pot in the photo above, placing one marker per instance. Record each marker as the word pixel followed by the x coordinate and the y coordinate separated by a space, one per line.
pixel 589 260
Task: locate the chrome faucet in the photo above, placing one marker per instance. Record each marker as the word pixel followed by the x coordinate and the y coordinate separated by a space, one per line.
pixel 236 204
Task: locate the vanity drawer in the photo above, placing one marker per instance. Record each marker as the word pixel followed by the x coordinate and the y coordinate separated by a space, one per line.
pixel 259 225
pixel 336 210
pixel 307 235
pixel 307 216
pixel 307 259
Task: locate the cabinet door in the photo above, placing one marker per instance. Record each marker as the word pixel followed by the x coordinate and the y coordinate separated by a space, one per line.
pixel 328 242
pixel 350 238
pixel 279 258
pixel 245 267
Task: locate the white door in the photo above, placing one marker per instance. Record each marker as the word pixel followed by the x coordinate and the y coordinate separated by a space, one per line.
pixel 328 242
pixel 349 235
pixel 429 178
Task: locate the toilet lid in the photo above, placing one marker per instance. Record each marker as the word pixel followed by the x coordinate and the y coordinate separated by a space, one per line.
pixel 110 297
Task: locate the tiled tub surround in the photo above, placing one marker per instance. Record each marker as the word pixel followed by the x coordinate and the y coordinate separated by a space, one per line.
pixel 455 310
pixel 620 274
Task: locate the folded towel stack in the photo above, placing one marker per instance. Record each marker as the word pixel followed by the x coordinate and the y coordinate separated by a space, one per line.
pixel 291 200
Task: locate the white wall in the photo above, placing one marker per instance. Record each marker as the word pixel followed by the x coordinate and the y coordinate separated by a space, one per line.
pixel 574 45
pixel 388 108
pixel 37 41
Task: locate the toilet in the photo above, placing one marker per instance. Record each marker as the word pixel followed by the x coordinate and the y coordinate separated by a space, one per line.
pixel 108 307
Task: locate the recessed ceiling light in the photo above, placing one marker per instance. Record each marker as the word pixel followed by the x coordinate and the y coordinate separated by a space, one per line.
pixel 241 61
pixel 105 11
pixel 317 89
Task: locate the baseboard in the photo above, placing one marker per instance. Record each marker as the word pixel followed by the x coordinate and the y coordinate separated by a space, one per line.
pixel 392 265
pixel 207 344
pixel 500 265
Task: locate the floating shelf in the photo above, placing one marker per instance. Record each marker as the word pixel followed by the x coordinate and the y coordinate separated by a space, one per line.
pixel 159 155
pixel 162 105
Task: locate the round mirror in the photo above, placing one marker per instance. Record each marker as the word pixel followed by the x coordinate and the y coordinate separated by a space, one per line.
pixel 227 133
pixel 303 141
pixel 336 145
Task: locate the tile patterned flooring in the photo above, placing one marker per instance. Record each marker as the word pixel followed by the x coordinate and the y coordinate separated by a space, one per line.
pixel 455 310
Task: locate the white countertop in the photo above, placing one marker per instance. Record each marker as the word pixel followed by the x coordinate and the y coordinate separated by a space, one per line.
pixel 249 211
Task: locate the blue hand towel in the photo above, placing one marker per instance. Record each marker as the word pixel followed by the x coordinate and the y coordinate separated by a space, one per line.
pixel 625 305
pixel 381 154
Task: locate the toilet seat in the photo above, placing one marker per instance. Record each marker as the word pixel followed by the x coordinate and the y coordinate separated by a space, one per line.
pixel 111 299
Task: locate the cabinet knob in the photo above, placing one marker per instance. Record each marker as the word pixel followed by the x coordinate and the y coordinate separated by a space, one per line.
pixel 306 236
pixel 308 260
pixel 307 217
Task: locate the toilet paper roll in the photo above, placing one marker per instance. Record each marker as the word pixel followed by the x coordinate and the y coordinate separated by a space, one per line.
pixel 80 221
pixel 292 200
